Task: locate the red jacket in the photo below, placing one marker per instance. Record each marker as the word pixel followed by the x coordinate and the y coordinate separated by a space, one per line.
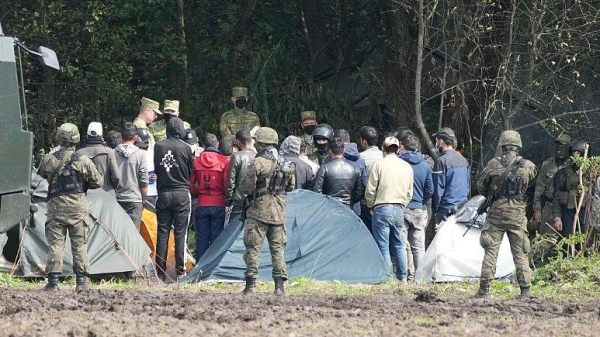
pixel 209 180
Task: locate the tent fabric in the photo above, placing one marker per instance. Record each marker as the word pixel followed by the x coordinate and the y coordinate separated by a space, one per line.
pixel 455 254
pixel 116 248
pixel 326 242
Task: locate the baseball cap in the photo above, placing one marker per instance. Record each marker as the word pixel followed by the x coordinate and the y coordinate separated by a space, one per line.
pixel 191 137
pixel 390 141
pixel 143 139
pixel 445 134
pixel 94 129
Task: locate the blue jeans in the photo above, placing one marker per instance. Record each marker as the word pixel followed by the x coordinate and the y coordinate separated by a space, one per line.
pixel 209 224
pixel 388 222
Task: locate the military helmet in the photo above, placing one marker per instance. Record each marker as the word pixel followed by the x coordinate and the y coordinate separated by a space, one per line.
pixel 266 136
pixel 323 131
pixel 68 133
pixel 577 146
pixel 510 137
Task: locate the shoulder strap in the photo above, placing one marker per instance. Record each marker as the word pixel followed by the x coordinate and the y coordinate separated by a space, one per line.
pixel 63 161
pixel 495 188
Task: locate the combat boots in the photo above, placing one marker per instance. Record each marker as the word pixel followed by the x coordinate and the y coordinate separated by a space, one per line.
pixel 52 282
pixel 81 284
pixel 279 289
pixel 484 290
pixel 526 293
pixel 250 286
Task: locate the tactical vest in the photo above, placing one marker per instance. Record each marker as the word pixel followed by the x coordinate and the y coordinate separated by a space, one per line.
pixel 68 181
pixel 570 197
pixel 513 187
pixel 549 180
pixel 275 183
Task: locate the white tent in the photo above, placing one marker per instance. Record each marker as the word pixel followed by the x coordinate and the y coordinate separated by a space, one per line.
pixel 455 254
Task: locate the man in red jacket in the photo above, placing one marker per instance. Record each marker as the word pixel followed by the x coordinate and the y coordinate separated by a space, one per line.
pixel 208 183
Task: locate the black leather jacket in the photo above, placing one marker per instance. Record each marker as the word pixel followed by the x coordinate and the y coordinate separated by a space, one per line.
pixel 238 165
pixel 341 181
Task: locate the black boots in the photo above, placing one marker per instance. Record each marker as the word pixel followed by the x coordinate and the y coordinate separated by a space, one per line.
pixel 484 290
pixel 81 283
pixel 250 286
pixel 279 290
pixel 52 282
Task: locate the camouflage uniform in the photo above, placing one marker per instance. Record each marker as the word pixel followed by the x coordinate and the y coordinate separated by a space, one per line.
pixel 507 213
pixel 234 120
pixel 140 124
pixel 544 186
pixel 158 129
pixel 566 197
pixel 68 211
pixel 308 139
pixel 266 214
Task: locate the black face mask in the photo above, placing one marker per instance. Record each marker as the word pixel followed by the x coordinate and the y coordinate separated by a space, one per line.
pixel 309 129
pixel 322 148
pixel 167 117
pixel 241 103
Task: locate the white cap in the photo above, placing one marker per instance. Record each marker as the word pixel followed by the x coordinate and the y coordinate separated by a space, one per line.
pixel 389 141
pixel 94 129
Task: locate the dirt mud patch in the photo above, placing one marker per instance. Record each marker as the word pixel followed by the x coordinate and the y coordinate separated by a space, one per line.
pixel 169 312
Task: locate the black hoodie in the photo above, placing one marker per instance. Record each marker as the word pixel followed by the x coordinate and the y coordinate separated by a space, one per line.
pixel 173 160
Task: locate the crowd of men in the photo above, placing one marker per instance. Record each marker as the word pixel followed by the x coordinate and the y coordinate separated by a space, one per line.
pixel 391 186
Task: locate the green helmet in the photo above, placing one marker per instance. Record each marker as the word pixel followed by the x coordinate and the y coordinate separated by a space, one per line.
pixel 510 137
pixel 266 136
pixel 67 134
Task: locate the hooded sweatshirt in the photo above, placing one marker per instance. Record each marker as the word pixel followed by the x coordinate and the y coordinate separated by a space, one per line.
pixel 422 180
pixel 173 160
pixel 209 180
pixel 131 163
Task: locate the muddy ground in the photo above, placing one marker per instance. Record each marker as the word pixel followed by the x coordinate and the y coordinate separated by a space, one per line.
pixel 170 312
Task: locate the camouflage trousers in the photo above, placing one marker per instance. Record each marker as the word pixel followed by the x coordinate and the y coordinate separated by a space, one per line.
pixel 549 236
pixel 254 236
pixel 491 238
pixel 56 235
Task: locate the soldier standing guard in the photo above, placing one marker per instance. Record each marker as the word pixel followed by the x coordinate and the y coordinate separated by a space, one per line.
pixel 308 122
pixel 69 175
pixel 148 113
pixel 266 182
pixel 505 179
pixel 238 118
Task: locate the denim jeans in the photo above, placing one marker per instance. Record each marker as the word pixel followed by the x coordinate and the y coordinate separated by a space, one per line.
pixel 388 222
pixel 209 224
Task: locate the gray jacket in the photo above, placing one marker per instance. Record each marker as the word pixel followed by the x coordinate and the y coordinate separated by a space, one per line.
pixel 238 165
pixel 131 162
pixel 104 158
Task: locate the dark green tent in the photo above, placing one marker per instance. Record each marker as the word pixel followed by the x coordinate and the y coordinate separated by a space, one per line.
pixel 326 241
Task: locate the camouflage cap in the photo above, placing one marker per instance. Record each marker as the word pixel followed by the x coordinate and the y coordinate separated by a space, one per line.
pixel 563 139
pixel 150 104
pixel 304 115
pixel 445 134
pixel 171 105
pixel 67 133
pixel 237 92
pixel 291 145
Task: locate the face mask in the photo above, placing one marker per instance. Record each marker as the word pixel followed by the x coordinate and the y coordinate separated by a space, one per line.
pixel 562 151
pixel 240 103
pixel 260 147
pixel 322 148
pixel 167 117
pixel 309 129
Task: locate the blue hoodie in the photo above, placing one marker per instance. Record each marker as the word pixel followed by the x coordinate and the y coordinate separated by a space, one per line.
pixel 352 156
pixel 423 182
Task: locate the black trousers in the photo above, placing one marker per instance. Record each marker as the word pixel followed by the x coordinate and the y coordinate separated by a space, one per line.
pixel 172 212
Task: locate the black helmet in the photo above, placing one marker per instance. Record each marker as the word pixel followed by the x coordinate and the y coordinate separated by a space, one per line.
pixel 323 131
pixel 577 146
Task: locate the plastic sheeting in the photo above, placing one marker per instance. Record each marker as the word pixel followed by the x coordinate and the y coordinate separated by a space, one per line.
pixel 117 248
pixel 455 254
pixel 326 242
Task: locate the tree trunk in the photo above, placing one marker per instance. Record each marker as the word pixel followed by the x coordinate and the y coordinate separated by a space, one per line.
pixel 184 58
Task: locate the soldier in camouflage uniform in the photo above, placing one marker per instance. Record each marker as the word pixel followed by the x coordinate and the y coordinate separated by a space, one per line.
pixel 566 195
pixel 266 182
pixel 158 129
pixel 69 175
pixel 322 135
pixel 149 112
pixel 544 186
pixel 308 122
pixel 234 120
pixel 505 179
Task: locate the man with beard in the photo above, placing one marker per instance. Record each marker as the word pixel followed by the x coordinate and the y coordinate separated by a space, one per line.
pixel 238 118
pixel 174 164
